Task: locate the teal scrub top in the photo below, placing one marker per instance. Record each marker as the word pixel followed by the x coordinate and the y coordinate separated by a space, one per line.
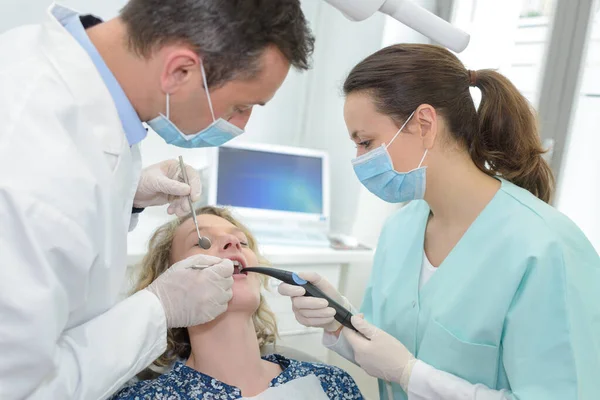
pixel 515 305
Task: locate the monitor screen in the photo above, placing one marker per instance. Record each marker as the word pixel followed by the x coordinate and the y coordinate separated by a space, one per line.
pixel 270 181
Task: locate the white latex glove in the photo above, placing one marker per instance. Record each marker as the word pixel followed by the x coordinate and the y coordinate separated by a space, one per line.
pixel 191 296
pixel 312 311
pixel 383 356
pixel 162 183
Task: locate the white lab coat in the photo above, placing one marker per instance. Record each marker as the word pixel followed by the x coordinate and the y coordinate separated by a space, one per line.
pixel 67 181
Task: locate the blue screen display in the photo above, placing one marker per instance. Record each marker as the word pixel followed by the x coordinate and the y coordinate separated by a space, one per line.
pixel 270 181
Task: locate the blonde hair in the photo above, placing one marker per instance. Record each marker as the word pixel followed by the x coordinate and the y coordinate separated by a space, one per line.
pixel 157 260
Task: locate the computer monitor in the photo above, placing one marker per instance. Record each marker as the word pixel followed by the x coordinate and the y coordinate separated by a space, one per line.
pixel 268 182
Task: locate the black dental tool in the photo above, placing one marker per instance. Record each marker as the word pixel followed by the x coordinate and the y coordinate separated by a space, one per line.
pixel 342 315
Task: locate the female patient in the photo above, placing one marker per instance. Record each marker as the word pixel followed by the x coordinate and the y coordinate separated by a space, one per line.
pixel 221 359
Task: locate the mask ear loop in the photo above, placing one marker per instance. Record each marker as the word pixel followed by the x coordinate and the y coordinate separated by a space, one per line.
pixel 423 159
pixel 400 130
pixel 207 93
pixel 168 106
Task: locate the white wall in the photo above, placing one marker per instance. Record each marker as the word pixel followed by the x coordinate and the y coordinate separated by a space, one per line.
pixel 395 32
pixel 341 44
pixel 493 28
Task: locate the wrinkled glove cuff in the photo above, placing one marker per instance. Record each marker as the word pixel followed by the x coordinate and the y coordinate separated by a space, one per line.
pixel 406 373
pixel 348 306
pixel 333 327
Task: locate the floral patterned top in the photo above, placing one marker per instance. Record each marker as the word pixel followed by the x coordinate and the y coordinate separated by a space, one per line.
pixel 184 383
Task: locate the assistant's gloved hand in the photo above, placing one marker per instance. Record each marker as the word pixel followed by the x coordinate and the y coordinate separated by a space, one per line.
pixel 383 356
pixel 312 311
pixel 191 296
pixel 162 183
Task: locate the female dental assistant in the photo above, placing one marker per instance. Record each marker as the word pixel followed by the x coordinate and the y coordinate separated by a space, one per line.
pixel 479 289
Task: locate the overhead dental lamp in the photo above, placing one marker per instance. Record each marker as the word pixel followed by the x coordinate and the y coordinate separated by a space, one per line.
pixel 411 15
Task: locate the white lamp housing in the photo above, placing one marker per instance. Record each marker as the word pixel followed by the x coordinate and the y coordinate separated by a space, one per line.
pixel 410 14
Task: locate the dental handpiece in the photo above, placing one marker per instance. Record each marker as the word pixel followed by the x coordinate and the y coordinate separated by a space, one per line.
pixel 203 241
pixel 342 315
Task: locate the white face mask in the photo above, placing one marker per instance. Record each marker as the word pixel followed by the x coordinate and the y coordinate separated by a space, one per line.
pixel 305 388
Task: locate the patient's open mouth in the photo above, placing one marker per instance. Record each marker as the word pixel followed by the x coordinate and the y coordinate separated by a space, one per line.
pixel 238 268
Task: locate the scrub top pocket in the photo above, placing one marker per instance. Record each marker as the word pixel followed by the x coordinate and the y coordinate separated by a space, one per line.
pixel 474 362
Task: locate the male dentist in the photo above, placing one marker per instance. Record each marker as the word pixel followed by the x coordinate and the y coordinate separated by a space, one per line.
pixel 72 105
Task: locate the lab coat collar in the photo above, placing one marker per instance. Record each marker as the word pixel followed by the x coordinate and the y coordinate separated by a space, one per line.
pixel 60 13
pixel 134 130
pixel 82 78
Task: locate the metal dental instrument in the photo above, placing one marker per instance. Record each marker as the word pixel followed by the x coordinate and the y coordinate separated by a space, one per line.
pixel 203 241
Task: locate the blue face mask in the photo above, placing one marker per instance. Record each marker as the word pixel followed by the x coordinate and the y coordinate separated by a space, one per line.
pixel 216 134
pixel 375 171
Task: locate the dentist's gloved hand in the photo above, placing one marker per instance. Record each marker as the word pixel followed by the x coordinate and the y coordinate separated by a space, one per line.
pixel 191 295
pixel 162 183
pixel 313 311
pixel 383 356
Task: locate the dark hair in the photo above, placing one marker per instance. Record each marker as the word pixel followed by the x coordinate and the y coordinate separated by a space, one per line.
pixel 230 35
pixel 501 136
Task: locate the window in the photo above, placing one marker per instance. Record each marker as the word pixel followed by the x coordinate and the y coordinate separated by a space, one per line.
pixel 510 36
pixel 579 189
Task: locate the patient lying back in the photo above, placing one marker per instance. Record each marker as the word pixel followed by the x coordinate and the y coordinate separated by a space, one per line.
pixel 221 359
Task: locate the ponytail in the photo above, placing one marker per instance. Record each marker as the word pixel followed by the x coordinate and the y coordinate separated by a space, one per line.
pixel 507 143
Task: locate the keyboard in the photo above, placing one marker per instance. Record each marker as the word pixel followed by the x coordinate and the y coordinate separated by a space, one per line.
pixel 291 237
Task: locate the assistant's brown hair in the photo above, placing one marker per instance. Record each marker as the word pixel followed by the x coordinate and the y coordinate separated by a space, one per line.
pixel 501 135
pixel 157 261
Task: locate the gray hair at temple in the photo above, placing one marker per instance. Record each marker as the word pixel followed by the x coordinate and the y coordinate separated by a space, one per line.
pixel 229 35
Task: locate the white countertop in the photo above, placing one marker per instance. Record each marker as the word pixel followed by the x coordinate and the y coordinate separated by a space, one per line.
pixel 293 255
pixel 315 255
